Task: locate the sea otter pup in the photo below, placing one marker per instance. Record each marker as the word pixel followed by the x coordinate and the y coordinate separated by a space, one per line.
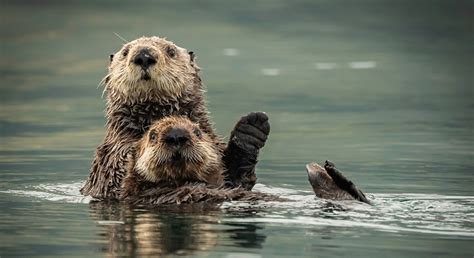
pixel 330 183
pixel 151 78
pixel 177 162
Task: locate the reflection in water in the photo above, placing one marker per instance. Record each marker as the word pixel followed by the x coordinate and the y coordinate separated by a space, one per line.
pixel 401 124
pixel 245 235
pixel 180 230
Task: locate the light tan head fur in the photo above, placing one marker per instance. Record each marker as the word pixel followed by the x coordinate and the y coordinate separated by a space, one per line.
pixel 196 160
pixel 172 73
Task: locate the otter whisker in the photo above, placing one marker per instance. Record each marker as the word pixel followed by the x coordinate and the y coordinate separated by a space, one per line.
pixel 194 157
pixel 120 37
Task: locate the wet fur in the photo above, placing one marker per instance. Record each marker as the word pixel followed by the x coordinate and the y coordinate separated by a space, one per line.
pixel 200 160
pixel 154 178
pixel 330 183
pixel 196 193
pixel 133 104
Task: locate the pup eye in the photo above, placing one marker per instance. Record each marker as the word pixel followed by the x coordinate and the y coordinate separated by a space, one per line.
pixel 197 132
pixel 153 136
pixel 171 52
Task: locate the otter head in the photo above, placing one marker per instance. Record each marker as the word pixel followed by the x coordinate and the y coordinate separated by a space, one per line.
pixel 150 69
pixel 175 150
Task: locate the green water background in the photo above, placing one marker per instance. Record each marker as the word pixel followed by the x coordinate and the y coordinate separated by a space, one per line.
pixel 403 126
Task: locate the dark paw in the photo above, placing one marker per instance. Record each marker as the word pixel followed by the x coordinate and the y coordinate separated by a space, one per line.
pixel 329 165
pixel 251 132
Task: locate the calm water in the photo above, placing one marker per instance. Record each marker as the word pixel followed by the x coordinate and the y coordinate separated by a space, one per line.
pixel 382 88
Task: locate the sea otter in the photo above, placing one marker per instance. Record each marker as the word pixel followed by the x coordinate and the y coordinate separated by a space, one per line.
pixel 151 78
pixel 176 162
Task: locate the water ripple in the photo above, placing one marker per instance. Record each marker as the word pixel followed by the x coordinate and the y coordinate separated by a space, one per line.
pixel 423 213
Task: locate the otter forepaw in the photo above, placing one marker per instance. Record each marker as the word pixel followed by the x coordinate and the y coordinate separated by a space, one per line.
pixel 240 157
pixel 251 131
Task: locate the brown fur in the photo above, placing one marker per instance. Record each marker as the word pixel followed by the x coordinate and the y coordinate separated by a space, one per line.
pixel 196 193
pixel 175 88
pixel 153 162
pixel 139 93
pixel 155 178
pixel 330 183
pixel 323 185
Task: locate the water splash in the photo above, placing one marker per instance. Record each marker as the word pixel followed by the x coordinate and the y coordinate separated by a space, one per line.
pixel 423 213
pixel 62 192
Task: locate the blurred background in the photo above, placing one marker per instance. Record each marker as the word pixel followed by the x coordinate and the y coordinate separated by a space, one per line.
pixel 382 88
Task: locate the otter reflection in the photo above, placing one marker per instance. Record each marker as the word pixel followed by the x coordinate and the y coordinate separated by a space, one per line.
pixel 178 230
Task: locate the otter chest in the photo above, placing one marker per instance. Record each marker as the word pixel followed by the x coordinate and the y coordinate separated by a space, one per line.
pixel 138 117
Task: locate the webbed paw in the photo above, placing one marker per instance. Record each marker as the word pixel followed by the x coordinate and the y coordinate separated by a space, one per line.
pixel 251 131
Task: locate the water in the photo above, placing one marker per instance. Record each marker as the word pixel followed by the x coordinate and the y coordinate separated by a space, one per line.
pixel 383 89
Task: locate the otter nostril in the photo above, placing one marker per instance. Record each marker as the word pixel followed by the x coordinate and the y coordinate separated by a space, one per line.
pixel 182 139
pixel 138 61
pixel 144 59
pixel 177 136
pixel 151 61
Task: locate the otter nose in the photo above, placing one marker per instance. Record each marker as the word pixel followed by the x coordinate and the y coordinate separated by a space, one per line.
pixel 177 136
pixel 144 59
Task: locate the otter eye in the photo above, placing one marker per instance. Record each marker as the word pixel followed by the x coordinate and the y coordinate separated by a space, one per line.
pixel 153 136
pixel 197 132
pixel 171 52
pixel 125 52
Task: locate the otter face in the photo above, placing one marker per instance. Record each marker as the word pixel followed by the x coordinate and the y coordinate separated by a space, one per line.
pixel 150 69
pixel 175 150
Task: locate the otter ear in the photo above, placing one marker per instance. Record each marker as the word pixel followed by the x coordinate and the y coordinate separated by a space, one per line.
pixel 111 57
pixel 191 55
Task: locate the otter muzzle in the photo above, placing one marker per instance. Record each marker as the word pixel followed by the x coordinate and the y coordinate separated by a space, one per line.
pixel 144 59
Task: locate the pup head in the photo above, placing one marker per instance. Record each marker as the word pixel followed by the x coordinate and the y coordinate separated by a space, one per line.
pixel 175 150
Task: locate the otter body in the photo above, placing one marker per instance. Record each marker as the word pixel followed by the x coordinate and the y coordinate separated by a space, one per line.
pixel 176 162
pixel 151 78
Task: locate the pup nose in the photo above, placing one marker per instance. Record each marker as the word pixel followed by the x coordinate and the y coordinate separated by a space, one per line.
pixel 144 59
pixel 177 136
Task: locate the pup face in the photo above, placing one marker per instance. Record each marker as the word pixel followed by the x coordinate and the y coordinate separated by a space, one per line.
pixel 175 150
pixel 150 68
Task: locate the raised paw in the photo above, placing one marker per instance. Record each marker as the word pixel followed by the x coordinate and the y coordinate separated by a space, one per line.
pixel 251 132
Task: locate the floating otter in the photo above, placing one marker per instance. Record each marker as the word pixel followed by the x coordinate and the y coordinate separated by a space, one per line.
pixel 151 78
pixel 330 183
pixel 177 162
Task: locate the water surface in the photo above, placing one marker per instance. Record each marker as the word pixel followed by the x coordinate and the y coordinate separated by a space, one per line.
pixel 382 88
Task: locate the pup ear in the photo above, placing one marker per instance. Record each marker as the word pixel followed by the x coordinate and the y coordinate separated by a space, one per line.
pixel 191 55
pixel 111 57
